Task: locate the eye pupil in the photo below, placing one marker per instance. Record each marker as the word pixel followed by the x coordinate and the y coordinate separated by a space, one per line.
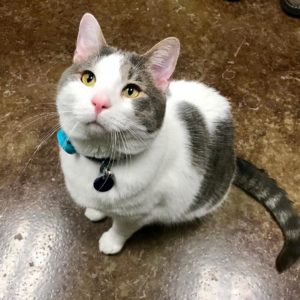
pixel 130 91
pixel 90 77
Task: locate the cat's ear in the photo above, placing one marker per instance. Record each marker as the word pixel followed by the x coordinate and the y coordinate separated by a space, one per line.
pixel 161 61
pixel 90 38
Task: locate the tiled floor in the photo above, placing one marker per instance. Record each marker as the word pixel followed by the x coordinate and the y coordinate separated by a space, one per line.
pixel 249 50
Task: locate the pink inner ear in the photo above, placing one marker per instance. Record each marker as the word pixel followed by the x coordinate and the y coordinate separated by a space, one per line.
pixel 162 74
pixel 162 59
pixel 89 40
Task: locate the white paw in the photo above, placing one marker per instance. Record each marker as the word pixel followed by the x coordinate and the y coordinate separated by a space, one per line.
pixel 110 243
pixel 94 215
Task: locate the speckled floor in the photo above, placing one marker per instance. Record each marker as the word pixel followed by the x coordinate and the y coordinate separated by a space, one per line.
pixel 249 50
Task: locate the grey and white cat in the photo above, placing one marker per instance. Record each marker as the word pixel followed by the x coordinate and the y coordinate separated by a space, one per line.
pixel 170 143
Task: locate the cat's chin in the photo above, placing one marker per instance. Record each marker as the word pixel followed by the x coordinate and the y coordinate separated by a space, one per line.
pixel 95 128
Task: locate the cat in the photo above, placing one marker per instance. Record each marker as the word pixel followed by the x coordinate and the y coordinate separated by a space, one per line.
pixel 161 149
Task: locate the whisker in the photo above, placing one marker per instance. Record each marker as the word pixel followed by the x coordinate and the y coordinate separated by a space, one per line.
pixel 110 148
pixel 35 116
pixel 44 140
pixel 122 145
pixel 72 130
pixel 133 126
pixel 25 127
pixel 128 161
pixel 119 142
pixel 135 136
pixel 110 151
pixel 114 148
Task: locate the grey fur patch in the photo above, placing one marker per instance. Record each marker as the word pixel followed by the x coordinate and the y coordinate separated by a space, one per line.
pixel 149 109
pixel 259 185
pixel 283 216
pixel 150 112
pixel 220 167
pixel 293 223
pixel 197 132
pixel 293 234
pixel 105 51
pixel 272 201
pixel 133 69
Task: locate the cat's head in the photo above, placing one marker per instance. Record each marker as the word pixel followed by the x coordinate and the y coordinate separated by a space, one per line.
pixel 108 92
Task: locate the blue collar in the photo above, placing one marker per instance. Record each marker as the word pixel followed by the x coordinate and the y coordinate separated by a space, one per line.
pixel 64 142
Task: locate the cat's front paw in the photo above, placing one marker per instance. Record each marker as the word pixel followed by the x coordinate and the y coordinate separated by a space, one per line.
pixel 94 215
pixel 110 243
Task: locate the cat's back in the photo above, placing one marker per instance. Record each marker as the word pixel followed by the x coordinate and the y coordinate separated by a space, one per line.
pixel 191 95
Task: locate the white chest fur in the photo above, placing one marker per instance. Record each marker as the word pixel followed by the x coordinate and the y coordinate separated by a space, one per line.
pixel 160 178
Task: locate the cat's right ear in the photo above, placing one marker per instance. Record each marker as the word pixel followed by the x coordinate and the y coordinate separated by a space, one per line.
pixel 90 38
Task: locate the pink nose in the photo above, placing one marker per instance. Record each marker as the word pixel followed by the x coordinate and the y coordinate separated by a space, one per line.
pixel 100 104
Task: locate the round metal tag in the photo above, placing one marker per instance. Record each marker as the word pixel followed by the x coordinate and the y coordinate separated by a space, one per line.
pixel 104 183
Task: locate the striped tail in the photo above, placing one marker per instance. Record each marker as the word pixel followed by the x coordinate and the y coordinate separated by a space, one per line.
pixel 259 185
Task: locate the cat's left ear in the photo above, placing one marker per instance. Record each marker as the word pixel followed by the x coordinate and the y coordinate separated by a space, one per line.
pixel 90 38
pixel 161 61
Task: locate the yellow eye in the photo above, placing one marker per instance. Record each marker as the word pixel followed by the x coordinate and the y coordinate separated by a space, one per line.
pixel 88 78
pixel 131 91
